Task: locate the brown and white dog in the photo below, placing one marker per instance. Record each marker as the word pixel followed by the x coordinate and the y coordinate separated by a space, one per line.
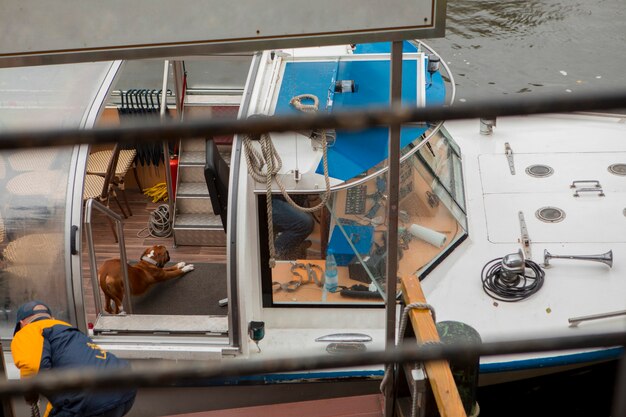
pixel 149 271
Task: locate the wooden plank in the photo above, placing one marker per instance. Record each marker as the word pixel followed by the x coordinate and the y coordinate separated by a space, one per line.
pixel 439 374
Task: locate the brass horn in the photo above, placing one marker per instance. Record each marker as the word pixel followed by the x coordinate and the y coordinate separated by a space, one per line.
pixel 605 258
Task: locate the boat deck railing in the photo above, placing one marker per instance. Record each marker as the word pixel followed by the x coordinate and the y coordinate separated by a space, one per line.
pixel 90 206
pixel 164 374
pixel 348 120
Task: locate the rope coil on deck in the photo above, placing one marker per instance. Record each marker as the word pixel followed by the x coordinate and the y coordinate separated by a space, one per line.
pixel 159 224
pixel 501 287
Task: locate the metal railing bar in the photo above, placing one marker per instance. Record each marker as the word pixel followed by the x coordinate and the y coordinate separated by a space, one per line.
pixel 165 373
pixel 90 205
pixel 348 120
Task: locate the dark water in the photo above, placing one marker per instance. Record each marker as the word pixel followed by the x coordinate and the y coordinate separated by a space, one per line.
pixel 586 392
pixel 551 47
pixel 539 47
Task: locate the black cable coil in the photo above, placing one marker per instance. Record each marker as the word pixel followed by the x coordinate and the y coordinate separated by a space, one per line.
pixel 513 288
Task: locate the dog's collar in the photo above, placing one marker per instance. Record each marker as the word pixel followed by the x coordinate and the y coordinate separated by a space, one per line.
pixel 149 260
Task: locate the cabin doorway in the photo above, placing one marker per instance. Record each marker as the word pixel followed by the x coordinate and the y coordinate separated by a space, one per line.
pixel 183 221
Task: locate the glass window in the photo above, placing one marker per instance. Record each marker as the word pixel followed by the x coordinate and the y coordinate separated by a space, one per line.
pixel 33 229
pixel 32 211
pixel 353 227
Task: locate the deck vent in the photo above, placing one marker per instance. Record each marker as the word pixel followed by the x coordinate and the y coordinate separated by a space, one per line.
pixel 550 214
pixel 539 171
pixel 618 169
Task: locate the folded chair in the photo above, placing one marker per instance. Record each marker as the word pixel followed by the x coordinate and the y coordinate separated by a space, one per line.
pixel 101 188
pixel 98 162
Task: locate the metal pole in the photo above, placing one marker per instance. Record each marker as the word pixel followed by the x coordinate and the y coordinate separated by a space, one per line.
pixel 392 219
pixel 162 374
pixel 89 206
pixel 166 148
pixel 128 306
pixel 92 256
pixel 347 120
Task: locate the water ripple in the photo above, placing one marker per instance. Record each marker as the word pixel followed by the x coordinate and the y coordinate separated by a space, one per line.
pixel 504 19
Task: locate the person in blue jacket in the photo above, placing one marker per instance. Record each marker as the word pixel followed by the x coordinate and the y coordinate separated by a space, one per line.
pixel 41 342
pixel 293 226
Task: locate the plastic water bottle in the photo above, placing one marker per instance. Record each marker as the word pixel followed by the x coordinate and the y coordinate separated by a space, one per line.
pixel 330 275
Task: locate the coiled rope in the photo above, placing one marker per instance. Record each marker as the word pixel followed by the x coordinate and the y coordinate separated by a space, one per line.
pixel 159 224
pixel 264 167
pixel 501 287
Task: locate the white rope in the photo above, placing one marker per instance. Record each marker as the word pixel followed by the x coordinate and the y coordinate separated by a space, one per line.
pixel 306 108
pixel 34 409
pixel 475 410
pixel 403 321
pixel 159 224
pixel 264 166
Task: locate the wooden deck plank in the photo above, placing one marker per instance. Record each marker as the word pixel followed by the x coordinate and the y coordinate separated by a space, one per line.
pixel 439 374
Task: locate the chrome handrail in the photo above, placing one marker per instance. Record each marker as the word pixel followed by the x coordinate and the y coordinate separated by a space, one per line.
pixel 442 62
pixel 89 206
pixel 575 321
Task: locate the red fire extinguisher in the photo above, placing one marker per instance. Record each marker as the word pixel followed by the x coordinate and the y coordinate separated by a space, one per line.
pixel 174 173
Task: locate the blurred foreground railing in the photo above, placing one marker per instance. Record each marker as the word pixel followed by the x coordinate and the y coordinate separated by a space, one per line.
pixel 353 120
pixel 166 373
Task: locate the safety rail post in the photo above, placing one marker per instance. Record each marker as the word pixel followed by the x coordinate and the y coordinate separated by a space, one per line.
pixel 89 206
pixel 393 184
pixel 165 144
pixel 439 374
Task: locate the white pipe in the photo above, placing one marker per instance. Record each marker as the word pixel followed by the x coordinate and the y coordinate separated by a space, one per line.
pixel 428 235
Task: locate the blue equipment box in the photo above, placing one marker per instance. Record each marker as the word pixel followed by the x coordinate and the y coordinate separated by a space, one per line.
pixel 361 237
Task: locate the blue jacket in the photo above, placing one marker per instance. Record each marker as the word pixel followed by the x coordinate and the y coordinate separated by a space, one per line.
pixel 48 343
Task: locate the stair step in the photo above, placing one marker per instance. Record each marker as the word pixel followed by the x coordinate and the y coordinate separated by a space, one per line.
pixel 199 230
pixel 191 173
pixel 192 189
pixel 192 158
pixel 194 205
pixel 197 220
pixel 191 145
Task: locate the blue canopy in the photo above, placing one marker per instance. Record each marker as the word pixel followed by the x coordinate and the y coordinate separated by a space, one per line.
pixel 355 152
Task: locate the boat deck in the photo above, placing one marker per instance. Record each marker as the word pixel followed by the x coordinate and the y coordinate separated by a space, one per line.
pixel 576 147
pixel 136 242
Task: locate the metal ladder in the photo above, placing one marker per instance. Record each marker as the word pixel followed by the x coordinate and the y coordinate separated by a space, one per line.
pixel 194 223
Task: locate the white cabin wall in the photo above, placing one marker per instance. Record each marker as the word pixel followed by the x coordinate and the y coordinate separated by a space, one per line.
pixel 247 238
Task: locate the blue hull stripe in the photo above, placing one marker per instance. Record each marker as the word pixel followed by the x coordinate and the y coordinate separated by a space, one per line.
pixel 577 358
pixel 490 368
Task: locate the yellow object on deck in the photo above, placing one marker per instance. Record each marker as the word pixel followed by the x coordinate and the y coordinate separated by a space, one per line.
pixel 157 192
